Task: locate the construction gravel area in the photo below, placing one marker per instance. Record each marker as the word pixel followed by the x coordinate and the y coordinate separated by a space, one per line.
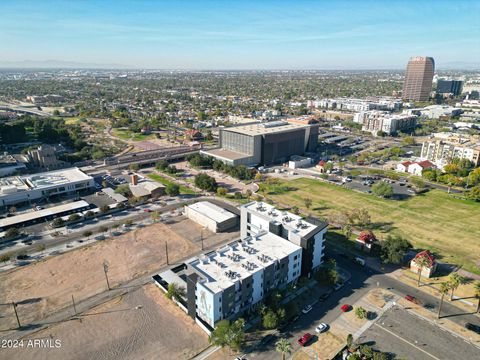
pixel 143 324
pixel 46 286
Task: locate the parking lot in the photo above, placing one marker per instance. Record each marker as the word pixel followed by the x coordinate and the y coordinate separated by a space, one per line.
pixel 411 337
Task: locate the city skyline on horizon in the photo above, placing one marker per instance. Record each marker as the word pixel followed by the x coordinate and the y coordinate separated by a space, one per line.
pixel 304 35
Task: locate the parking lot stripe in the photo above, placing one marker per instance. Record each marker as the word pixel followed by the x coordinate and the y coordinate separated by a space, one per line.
pixel 408 342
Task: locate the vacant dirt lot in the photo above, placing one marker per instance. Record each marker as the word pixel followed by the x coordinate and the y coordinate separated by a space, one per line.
pixel 46 286
pixel 143 324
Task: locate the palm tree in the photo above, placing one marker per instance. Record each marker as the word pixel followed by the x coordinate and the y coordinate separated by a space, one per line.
pixel 455 281
pixel 444 289
pixel 476 287
pixel 421 262
pixel 283 347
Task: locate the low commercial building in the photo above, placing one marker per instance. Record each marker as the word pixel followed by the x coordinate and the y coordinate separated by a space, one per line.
pixel 297 162
pixel 10 165
pixel 142 187
pixel 257 217
pixel 352 104
pixel 439 111
pixel 29 188
pixel 211 216
pixel 265 143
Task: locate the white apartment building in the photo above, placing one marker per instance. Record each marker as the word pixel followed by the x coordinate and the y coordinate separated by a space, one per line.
pixel 351 104
pixel 257 217
pixel 442 149
pixel 226 282
pixel 375 121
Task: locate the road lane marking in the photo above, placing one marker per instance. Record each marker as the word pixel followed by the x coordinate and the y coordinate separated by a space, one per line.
pixel 408 342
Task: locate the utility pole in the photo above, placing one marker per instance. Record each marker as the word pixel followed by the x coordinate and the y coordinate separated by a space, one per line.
pixel 201 237
pixel 105 270
pixel 166 251
pixel 16 314
pixel 74 308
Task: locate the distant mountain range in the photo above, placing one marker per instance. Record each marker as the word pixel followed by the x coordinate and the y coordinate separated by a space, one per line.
pixel 58 64
pixel 458 65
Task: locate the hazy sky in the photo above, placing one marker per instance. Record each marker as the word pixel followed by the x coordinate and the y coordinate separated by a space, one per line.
pixel 241 34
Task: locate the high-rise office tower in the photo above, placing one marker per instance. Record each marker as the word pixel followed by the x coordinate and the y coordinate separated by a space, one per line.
pixel 418 78
pixel 449 87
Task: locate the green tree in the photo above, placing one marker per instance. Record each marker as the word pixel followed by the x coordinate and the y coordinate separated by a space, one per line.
pixel 74 217
pixel 87 234
pixel 229 334
pixel 172 190
pixel 455 280
pixel 175 292
pixel 155 215
pixel 382 189
pixel 394 249
pixel 473 193
pixel 205 182
pixel 349 341
pixel 421 262
pixel 161 165
pixel 444 289
pixel 377 355
pixel 221 191
pixel 295 210
pixel 270 320
pixel 104 208
pixel 58 222
pixel 361 313
pixel 124 190
pixel 5 257
pixel 134 167
pixel 366 351
pixel 283 347
pixel 258 176
pixel 307 202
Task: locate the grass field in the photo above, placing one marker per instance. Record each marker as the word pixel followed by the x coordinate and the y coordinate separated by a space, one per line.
pixel 165 181
pixel 129 135
pixel 449 227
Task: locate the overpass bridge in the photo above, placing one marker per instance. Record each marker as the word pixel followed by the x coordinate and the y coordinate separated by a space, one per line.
pixel 150 156
pixel 24 110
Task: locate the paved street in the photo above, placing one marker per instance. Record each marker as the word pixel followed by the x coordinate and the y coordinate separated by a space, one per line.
pixel 408 336
pixel 363 279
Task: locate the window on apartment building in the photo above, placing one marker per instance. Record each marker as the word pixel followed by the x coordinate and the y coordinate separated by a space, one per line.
pixel 295 257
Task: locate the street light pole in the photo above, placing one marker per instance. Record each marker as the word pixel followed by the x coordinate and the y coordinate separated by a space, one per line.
pixel 74 307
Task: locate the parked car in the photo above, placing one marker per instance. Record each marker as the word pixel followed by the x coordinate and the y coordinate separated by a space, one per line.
pixel 472 327
pixel 412 299
pixel 321 328
pixel 345 307
pixel 323 297
pixel 305 339
pixel 22 257
pixel 147 210
pixel 307 309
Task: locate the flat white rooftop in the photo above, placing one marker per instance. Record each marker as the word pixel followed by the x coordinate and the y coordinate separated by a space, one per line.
pixel 288 220
pixel 239 260
pixel 19 219
pixel 266 128
pixel 42 180
pixel 212 211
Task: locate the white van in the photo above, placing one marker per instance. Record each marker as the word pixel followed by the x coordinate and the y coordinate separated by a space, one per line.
pixel 360 260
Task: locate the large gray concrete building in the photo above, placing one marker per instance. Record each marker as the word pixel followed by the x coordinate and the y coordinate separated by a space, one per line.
pixel 264 144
